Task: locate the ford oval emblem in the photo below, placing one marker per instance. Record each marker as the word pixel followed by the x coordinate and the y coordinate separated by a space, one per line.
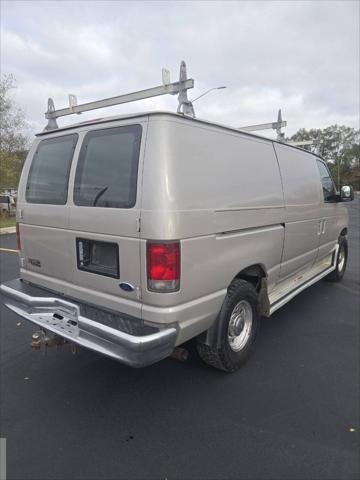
pixel 127 287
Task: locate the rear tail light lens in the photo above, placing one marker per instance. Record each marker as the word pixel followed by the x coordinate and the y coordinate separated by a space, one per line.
pixel 18 241
pixel 163 266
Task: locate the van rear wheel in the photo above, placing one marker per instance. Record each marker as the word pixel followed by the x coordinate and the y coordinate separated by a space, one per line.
pixel 341 261
pixel 237 327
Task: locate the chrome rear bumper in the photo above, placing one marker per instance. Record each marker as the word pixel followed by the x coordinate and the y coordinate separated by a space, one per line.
pixel 63 317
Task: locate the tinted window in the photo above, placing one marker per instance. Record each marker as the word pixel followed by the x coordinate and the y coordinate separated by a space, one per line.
pixel 49 172
pixel 327 183
pixel 106 175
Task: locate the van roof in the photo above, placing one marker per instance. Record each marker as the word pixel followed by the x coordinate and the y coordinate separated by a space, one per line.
pixel 172 114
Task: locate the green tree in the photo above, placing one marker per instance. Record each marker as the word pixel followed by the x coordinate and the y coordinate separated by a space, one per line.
pixel 339 146
pixel 13 141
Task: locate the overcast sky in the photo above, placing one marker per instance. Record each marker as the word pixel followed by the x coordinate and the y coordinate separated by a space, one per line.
pixel 300 56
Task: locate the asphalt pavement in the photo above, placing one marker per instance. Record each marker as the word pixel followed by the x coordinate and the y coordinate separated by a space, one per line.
pixel 292 412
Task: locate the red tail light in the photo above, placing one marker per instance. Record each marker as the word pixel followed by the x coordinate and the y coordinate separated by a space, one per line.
pixel 163 266
pixel 18 241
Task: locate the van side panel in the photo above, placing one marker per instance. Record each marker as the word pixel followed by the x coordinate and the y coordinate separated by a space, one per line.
pixel 302 214
pixel 196 167
pixel 220 193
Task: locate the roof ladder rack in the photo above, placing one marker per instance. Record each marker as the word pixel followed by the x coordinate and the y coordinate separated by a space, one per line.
pixel 303 143
pixel 185 106
pixel 266 126
pixel 281 136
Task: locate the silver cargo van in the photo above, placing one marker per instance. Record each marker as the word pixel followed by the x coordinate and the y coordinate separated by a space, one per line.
pixel 140 232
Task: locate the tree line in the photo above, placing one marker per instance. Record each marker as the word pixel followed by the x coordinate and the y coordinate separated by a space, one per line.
pixel 14 143
pixel 340 147
pixel 337 144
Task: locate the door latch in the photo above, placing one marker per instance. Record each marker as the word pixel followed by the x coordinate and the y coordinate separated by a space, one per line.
pixel 323 227
pixel 319 227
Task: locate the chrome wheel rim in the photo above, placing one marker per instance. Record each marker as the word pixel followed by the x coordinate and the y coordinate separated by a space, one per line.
pixel 240 325
pixel 341 258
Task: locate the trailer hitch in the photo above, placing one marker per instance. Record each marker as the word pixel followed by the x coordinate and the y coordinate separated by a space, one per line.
pixel 42 338
pixel 180 354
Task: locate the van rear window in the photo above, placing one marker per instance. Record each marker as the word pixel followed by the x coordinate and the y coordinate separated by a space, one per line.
pixel 49 171
pixel 106 174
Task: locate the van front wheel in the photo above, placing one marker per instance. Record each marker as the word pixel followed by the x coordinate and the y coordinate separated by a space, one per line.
pixel 341 261
pixel 237 327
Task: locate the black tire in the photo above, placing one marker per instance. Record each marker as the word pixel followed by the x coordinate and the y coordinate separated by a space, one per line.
pixel 337 274
pixel 224 357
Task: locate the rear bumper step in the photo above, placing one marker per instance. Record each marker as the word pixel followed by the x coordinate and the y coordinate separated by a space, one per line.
pixel 63 317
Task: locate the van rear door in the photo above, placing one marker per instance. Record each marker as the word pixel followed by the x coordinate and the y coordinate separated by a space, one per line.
pixel 79 226
pixel 104 216
pixel 43 213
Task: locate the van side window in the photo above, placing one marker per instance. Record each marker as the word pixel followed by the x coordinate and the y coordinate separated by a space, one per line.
pixel 106 174
pixel 327 183
pixel 49 171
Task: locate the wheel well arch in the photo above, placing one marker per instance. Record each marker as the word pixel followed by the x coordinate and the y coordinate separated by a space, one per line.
pixel 253 274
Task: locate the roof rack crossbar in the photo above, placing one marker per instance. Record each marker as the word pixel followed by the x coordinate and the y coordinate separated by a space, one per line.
pixel 266 126
pixel 180 87
pixel 316 143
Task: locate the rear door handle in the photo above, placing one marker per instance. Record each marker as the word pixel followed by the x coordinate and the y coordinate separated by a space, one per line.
pixel 324 227
pixel 320 227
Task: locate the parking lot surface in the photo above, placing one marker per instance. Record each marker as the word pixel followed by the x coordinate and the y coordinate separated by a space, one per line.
pixel 291 412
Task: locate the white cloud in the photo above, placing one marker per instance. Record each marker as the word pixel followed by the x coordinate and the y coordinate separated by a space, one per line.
pixel 300 56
